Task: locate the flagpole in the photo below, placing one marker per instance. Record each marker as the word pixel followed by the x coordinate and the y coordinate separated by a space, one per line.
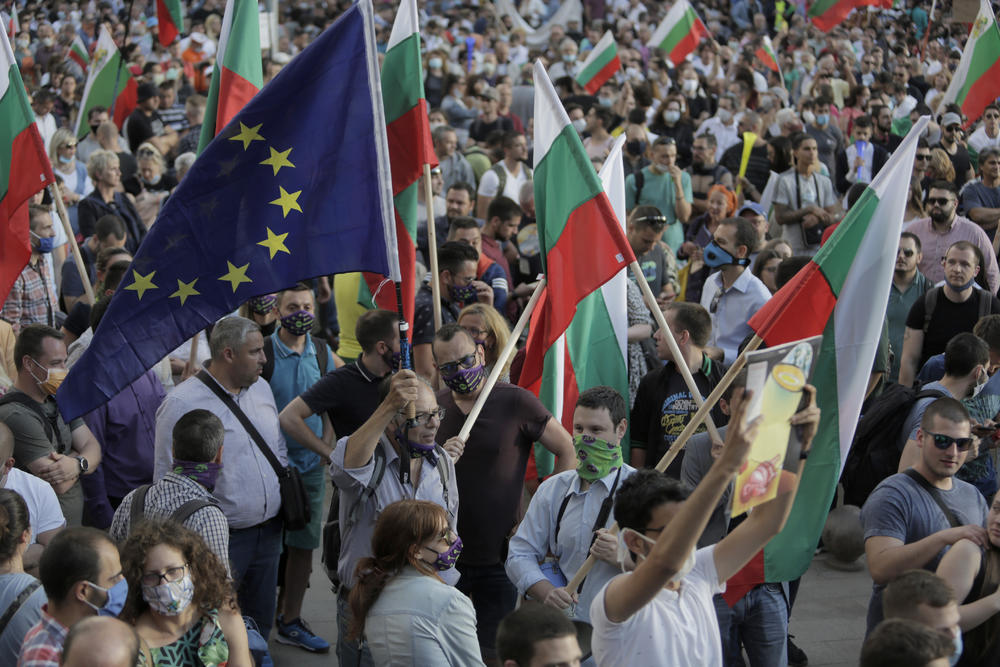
pixel 681 440
pixel 192 357
pixel 674 350
pixel 432 255
pixel 73 246
pixel 501 361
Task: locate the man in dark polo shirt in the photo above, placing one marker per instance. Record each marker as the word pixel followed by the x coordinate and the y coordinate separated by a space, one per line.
pixel 663 403
pixel 490 470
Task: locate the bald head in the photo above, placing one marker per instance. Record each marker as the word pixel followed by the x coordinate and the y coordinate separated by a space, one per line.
pixel 100 641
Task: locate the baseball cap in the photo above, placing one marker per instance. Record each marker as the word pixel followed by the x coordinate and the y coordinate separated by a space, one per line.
pixel 752 206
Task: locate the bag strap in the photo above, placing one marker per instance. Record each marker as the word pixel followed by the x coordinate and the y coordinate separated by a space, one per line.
pixel 184 512
pixel 444 475
pixel 255 435
pixel 137 511
pixel 930 303
pixel 322 356
pixel 16 604
pixel 378 471
pixel 933 493
pixel 52 431
pixel 985 301
pixel 640 180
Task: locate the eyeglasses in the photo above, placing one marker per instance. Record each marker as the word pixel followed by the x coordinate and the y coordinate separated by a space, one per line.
pixel 424 418
pixel 943 442
pixel 938 201
pixel 906 252
pixel 169 575
pixel 477 334
pixel 992 116
pixel 449 367
pixel 73 145
pixel 147 152
pixel 922 157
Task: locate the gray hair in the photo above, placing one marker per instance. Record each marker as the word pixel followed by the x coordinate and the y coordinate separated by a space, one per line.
pixel 197 436
pixel 99 162
pixel 183 163
pixel 230 332
pixel 437 135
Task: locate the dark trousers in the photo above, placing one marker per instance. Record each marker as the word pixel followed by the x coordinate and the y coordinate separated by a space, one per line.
pixel 254 554
pixel 492 595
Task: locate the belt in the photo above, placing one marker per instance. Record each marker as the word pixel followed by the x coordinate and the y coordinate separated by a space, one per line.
pixel 276 519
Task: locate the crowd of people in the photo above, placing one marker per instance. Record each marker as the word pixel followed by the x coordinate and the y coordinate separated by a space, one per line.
pixel 162 507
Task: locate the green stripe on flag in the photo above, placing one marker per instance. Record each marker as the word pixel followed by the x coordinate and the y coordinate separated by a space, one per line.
pixel 679 31
pixel 402 78
pixel 102 90
pixel 835 258
pixel 567 177
pixel 241 57
pixel 984 56
pixel 406 205
pixel 600 62
pixel 14 119
pixel 821 7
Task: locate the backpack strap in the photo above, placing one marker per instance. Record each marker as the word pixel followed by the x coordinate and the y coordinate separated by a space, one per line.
pixel 321 354
pixel 501 176
pixel 16 604
pixel 444 474
pixel 378 471
pixel 137 512
pixel 935 496
pixel 640 180
pixel 268 370
pixel 52 431
pixel 184 512
pixel 985 303
pixel 930 303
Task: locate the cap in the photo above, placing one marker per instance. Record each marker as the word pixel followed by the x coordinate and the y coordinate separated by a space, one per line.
pixel 146 91
pixel 752 206
pixel 489 94
pixel 951 118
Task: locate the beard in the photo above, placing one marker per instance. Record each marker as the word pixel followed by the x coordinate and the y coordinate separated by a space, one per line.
pixel 939 216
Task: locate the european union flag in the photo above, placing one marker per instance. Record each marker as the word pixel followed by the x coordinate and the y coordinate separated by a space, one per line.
pixel 296 186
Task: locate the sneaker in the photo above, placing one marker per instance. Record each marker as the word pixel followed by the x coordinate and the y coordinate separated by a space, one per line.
pixel 297 633
pixel 796 656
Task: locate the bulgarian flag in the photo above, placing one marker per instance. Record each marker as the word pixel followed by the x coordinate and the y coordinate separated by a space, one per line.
pixel 238 73
pixel 976 82
pixel 600 65
pixel 828 14
pixel 169 20
pixel 765 53
pixel 10 22
pixel 410 148
pixel 78 52
pixel 575 341
pixel 24 168
pixel 109 84
pixel 679 33
pixel 842 293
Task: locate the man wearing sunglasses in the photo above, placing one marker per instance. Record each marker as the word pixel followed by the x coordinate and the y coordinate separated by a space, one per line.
pixel 908 285
pixel 912 517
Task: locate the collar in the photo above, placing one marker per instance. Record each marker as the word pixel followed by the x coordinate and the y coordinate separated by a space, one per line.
pixel 705 368
pixel 608 481
pixel 741 283
pixel 284 351
pixel 366 373
pixel 183 480
pixel 392 455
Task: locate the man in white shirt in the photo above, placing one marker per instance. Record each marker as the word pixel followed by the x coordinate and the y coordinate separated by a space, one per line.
pixel 988 134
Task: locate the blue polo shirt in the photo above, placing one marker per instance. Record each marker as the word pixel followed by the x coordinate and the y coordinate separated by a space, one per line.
pixel 294 373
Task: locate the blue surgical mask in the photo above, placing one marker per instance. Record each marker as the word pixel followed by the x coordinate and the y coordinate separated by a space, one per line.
pixel 65 160
pixel 116 598
pixel 672 116
pixel 957 653
pixel 434 63
pixel 716 256
pixel 822 118
pixel 962 288
pixel 45 245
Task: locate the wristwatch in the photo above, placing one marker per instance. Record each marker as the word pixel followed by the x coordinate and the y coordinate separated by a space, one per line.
pixel 84 464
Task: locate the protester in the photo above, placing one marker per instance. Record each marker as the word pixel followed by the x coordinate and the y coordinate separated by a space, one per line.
pixel 21 595
pixel 536 634
pixel 903 643
pixel 32 299
pixel 922 596
pixel 101 642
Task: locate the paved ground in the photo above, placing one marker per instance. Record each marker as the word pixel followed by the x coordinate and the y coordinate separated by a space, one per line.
pixel 828 621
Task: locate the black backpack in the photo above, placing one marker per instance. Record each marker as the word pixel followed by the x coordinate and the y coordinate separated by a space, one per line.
pixel 50 424
pixel 874 453
pixel 321 357
pixel 137 511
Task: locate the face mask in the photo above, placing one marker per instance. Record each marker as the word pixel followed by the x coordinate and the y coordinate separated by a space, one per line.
pixel 391 359
pixel 957 653
pixel 579 125
pixel 172 73
pixel 116 598
pixel 465 380
pixel 262 305
pixel 298 323
pixel 434 63
pixel 605 102
pixel 569 58
pixel 596 458
pixel 822 119
pixel 725 116
pixel 809 117
pixel 462 294
pixel 489 68
pixel 153 181
pixel 672 116
pixel 53 378
pixel 65 160
pixel 445 560
pixel 93 128
pixel 170 598
pixel 45 245
pixel 415 448
pixel 158 79
pixel 623 554
pixel 22 43
pixel 689 85
pixel 962 288
pixel 716 256
pixel 636 146
pixel 205 473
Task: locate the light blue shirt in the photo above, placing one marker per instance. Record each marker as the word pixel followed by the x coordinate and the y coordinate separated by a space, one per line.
pixel 293 374
pixel 733 310
pixel 247 487
pixel 417 620
pixel 535 536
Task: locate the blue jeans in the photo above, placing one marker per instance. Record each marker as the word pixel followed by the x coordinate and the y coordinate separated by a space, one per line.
pixel 758 624
pixel 254 554
pixel 492 595
pixel 349 653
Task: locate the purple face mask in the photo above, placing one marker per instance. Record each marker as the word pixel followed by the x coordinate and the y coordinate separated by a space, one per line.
pixel 262 305
pixel 205 473
pixel 416 449
pixel 446 559
pixel 463 294
pixel 298 323
pixel 465 380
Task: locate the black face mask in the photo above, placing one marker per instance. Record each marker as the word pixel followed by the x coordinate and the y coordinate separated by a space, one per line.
pixel 268 329
pixel 93 128
pixel 635 147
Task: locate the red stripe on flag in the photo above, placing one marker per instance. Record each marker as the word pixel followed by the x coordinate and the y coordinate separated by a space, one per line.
pixel 743 581
pixel 603 75
pixel 165 24
pixel 78 59
pixel 838 12
pixel 234 93
pixel 410 147
pixel 766 59
pixel 800 309
pixel 571 390
pixel 126 102
pixel 689 43
pixel 985 89
pixel 386 297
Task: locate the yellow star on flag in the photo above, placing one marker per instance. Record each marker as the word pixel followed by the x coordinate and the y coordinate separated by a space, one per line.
pixel 288 201
pixel 275 242
pixel 237 275
pixel 184 290
pixel 142 283
pixel 278 160
pixel 247 135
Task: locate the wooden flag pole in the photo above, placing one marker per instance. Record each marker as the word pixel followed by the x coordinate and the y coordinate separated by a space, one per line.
pixel 498 367
pixel 681 440
pixel 192 357
pixel 432 255
pixel 73 245
pixel 674 350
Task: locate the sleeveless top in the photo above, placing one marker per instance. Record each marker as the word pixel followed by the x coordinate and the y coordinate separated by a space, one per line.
pixel 202 645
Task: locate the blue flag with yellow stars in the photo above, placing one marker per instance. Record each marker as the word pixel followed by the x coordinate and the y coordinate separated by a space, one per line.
pixel 296 186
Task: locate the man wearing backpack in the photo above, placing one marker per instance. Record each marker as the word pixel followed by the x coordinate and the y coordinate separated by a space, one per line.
pixel 914 516
pixel 504 179
pixel 184 494
pixel 945 311
pixel 296 361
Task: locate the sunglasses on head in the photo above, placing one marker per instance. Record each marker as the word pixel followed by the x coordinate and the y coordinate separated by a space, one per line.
pixel 943 442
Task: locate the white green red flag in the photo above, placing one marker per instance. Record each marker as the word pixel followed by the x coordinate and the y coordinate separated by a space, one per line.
pixel 238 72
pixel 109 84
pixel 976 82
pixel 78 52
pixel 679 33
pixel 169 20
pixel 602 64
pixel 583 245
pixel 24 168
pixel 10 23
pixel 828 14
pixel 842 294
pixel 765 53
pixel 410 148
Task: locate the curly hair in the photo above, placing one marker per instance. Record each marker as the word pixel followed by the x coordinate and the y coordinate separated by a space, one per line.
pixel 212 588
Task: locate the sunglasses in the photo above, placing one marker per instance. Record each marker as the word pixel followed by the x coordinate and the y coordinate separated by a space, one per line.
pixel 450 367
pixel 953 128
pixel 906 252
pixel 922 157
pixel 991 116
pixel 938 201
pixel 943 442
pixel 714 306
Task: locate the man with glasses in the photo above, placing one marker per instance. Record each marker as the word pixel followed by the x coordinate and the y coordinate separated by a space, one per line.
pixel 981 199
pixel 491 470
pixel 988 134
pixel 952 144
pixel 912 517
pixel 908 285
pixel 664 185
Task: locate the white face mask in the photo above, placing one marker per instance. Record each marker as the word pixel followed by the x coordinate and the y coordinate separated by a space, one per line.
pixel 580 124
pixel 623 555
